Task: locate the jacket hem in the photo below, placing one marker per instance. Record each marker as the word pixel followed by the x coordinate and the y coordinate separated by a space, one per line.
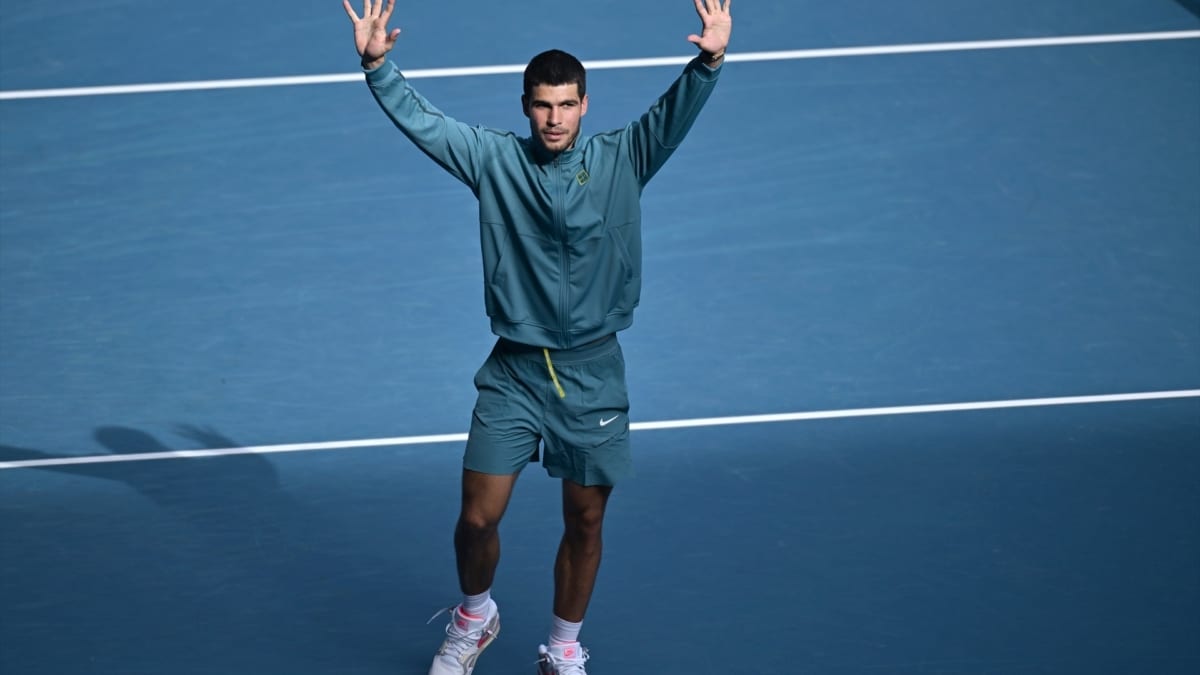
pixel 537 336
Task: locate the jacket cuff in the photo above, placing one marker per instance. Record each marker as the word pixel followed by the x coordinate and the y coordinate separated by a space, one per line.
pixel 383 74
pixel 703 70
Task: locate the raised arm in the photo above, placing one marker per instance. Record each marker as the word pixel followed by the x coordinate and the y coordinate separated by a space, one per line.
pixel 455 146
pixel 656 135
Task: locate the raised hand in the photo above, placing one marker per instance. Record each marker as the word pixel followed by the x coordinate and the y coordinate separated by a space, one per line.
pixel 718 24
pixel 371 36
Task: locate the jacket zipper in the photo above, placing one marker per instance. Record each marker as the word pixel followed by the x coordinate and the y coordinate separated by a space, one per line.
pixel 565 284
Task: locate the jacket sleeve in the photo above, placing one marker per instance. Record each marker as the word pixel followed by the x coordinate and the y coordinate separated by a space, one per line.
pixel 656 135
pixel 456 147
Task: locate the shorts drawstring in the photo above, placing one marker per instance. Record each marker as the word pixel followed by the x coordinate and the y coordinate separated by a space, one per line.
pixel 553 375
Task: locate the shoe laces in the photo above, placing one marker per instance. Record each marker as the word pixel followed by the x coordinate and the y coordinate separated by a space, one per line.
pixel 458 641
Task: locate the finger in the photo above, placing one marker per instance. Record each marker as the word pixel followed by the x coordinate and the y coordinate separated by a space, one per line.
pixel 728 4
pixel 700 8
pixel 714 6
pixel 387 13
pixel 350 10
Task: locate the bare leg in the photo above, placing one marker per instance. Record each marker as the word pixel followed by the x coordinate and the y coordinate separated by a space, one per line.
pixel 476 536
pixel 579 553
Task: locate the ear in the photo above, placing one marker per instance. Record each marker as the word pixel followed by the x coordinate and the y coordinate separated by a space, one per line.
pixel 525 104
pixel 583 106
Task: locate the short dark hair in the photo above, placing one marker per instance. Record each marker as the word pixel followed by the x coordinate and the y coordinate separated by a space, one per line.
pixel 555 67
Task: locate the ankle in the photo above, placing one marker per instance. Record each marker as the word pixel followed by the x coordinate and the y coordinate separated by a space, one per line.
pixel 475 606
pixel 563 632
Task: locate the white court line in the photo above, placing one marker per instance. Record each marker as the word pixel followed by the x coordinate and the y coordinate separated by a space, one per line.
pixel 615 63
pixel 636 426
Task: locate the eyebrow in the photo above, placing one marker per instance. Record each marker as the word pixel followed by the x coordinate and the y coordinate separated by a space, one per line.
pixel 543 101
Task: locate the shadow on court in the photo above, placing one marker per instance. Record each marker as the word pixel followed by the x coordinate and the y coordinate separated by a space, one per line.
pixel 197 566
pixel 1192 6
pixel 986 543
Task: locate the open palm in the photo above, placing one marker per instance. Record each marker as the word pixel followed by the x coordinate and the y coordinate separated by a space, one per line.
pixel 371 36
pixel 718 24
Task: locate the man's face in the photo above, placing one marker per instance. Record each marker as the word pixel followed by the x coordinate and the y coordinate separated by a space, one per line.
pixel 554 113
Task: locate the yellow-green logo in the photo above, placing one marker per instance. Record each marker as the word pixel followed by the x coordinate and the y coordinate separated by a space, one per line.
pixel 582 177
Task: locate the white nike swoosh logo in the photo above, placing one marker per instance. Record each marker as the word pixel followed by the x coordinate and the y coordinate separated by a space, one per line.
pixel 608 421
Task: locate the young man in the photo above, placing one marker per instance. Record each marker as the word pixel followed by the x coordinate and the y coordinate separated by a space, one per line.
pixel 560 230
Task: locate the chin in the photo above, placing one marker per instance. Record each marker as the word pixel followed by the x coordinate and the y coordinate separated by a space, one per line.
pixel 558 145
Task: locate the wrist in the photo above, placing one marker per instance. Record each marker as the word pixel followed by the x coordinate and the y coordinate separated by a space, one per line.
pixel 372 64
pixel 712 59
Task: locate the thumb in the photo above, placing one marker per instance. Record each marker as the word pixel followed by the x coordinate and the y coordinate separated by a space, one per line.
pixel 694 39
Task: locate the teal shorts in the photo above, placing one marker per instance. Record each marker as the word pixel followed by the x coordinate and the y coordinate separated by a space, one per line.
pixel 575 408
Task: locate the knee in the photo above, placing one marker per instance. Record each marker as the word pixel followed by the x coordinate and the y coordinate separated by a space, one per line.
pixel 475 523
pixel 584 524
pixel 484 499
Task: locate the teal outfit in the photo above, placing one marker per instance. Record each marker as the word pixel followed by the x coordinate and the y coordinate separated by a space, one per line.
pixel 585 433
pixel 560 235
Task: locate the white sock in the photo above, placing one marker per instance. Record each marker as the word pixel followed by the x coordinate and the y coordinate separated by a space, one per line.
pixel 476 605
pixel 563 632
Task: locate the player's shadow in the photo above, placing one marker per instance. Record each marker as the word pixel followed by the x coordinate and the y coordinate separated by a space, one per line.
pixel 1192 6
pixel 197 493
pixel 227 549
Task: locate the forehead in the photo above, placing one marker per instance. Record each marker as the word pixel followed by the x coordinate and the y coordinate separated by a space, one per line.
pixel 555 93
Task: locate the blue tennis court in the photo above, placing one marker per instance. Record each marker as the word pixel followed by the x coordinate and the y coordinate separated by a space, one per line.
pixel 915 377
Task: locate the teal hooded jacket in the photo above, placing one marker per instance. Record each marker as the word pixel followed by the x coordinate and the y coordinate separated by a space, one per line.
pixel 560 234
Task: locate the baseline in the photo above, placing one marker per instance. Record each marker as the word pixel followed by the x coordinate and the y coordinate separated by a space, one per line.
pixel 635 426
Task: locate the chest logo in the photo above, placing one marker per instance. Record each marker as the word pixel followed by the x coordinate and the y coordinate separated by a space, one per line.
pixel 582 177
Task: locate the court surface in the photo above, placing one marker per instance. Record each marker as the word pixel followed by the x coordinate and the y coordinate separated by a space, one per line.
pixel 915 376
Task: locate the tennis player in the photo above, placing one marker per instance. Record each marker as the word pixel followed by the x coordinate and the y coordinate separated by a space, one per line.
pixel 560 232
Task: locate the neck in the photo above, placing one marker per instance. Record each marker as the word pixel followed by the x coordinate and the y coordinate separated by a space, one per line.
pixel 549 155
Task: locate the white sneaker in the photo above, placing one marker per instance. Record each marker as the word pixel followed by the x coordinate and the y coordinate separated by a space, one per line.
pixel 465 639
pixel 565 659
